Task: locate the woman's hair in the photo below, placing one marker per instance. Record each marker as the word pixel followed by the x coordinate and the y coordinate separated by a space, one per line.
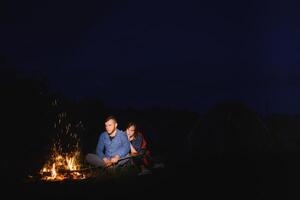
pixel 135 126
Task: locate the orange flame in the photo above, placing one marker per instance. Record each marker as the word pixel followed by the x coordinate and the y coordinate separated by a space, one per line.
pixel 60 166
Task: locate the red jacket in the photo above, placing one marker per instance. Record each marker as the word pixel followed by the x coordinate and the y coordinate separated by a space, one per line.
pixel 147 157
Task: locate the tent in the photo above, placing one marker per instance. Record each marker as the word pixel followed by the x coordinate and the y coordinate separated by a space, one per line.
pixel 229 127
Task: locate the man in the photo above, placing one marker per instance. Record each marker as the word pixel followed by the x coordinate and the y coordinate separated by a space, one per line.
pixel 112 146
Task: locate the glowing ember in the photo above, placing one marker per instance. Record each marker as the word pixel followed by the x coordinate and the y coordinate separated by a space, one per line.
pixel 64 161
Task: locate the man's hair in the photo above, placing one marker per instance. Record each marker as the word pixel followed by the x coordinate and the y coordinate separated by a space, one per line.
pixel 111 117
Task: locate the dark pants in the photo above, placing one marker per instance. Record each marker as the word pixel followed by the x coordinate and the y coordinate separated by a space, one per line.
pixel 94 160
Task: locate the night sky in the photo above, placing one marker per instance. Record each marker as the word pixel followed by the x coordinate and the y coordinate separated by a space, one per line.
pixel 160 53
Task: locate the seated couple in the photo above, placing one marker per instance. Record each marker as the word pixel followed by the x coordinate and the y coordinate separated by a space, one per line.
pixel 115 146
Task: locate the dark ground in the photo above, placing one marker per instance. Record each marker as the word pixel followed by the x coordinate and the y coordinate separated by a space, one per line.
pixel 269 177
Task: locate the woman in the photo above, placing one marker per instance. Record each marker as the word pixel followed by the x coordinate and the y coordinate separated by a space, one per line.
pixel 138 146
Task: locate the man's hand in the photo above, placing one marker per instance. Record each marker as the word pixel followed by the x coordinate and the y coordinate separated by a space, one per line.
pixel 115 159
pixel 107 161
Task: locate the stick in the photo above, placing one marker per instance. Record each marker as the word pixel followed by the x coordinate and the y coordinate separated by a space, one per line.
pixel 91 168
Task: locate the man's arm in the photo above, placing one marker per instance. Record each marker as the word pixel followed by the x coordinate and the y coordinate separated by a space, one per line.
pixel 125 148
pixel 100 147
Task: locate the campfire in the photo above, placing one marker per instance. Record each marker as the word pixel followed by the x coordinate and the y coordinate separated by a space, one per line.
pixel 62 166
pixel 65 155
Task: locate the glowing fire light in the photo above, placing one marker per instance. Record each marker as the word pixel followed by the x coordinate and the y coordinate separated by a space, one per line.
pixel 62 166
pixel 64 163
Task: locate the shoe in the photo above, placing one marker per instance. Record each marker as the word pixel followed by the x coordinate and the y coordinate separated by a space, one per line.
pixel 144 172
pixel 158 165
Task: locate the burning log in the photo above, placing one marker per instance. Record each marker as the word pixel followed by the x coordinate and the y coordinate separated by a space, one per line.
pixel 62 167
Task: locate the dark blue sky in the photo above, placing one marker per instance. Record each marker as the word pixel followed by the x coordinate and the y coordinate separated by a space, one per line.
pixel 168 53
